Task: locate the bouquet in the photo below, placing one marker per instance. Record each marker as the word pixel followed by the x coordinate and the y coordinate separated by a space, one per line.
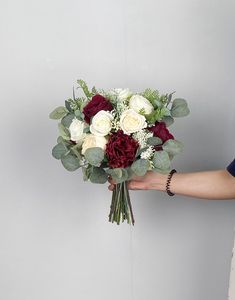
pixel 118 134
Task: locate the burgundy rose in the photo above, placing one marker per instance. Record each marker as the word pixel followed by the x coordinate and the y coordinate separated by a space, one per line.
pixel 96 104
pixel 121 150
pixel 160 130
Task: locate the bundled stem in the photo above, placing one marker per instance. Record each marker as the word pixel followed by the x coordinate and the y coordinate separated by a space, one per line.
pixel 121 208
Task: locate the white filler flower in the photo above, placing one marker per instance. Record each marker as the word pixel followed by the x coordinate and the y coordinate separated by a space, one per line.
pixel 131 121
pixel 92 140
pixel 76 130
pixel 101 123
pixel 138 102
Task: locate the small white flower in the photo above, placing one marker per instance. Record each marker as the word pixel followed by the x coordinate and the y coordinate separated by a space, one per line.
pixel 92 140
pixel 76 130
pixel 148 153
pixel 101 123
pixel 142 136
pixel 138 102
pixel 131 121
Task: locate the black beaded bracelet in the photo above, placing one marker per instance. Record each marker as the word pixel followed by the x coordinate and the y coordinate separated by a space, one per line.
pixel 169 182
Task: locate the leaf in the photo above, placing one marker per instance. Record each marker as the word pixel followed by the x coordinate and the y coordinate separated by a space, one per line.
pixel 172 147
pixel 59 151
pixel 70 162
pixel 85 89
pixel 68 106
pixel 118 174
pixel 86 173
pixel 154 141
pixel 77 151
pixel 58 113
pixel 64 132
pixel 67 120
pixel 161 160
pixel 140 167
pixel 168 120
pixel 94 156
pixel 98 175
pixel 79 115
pixel 179 108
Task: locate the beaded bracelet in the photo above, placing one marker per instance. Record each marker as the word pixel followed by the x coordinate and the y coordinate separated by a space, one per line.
pixel 169 182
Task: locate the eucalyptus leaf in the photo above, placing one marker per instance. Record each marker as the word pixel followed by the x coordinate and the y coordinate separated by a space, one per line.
pixel 140 167
pixel 67 120
pixel 154 141
pixel 79 115
pixel 64 132
pixel 94 156
pixel 59 150
pixel 179 108
pixel 86 171
pixel 98 175
pixel 161 160
pixel 118 174
pixel 58 113
pixel 168 120
pixel 172 147
pixel 68 106
pixel 70 162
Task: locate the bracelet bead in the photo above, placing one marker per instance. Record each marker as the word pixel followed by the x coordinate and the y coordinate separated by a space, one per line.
pixel 169 182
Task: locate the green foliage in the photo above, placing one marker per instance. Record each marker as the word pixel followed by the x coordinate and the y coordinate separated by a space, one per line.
pixel 179 108
pixel 86 172
pixel 82 84
pixel 98 175
pixel 79 115
pixel 161 160
pixel 152 96
pixel 140 167
pixel 94 156
pixel 67 120
pixel 118 174
pixel 157 115
pixel 58 113
pixel 64 132
pixel 59 150
pixel 70 162
pixel 173 147
pixel 76 150
pixel 154 141
pixel 168 120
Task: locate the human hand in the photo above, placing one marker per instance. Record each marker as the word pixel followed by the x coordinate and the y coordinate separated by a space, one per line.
pixel 150 181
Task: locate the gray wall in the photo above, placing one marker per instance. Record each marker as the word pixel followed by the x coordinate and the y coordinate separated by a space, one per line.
pixel 55 241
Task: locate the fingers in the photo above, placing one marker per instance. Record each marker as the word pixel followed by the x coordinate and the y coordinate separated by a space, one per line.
pixel 137 185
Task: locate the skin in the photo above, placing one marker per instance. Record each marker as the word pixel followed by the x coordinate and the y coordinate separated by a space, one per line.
pixel 213 185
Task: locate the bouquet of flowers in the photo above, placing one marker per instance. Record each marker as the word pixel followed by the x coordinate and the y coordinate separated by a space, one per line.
pixel 118 134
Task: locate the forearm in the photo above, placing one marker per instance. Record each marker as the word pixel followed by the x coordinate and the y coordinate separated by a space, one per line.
pixel 206 185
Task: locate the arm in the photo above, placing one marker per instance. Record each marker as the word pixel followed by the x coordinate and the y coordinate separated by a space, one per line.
pixel 206 185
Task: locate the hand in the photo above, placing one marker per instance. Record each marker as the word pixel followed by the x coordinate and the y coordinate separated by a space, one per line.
pixel 150 181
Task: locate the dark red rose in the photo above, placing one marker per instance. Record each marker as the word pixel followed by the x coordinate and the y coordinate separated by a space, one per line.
pixel 160 130
pixel 96 104
pixel 121 150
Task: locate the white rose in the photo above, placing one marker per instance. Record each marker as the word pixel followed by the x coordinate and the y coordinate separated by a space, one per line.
pixel 138 102
pixel 92 140
pixel 122 94
pixel 131 121
pixel 76 130
pixel 101 123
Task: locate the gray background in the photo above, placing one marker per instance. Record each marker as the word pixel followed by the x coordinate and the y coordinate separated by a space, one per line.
pixel 55 241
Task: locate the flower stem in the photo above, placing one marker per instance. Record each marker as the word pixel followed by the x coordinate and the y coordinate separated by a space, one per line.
pixel 121 209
